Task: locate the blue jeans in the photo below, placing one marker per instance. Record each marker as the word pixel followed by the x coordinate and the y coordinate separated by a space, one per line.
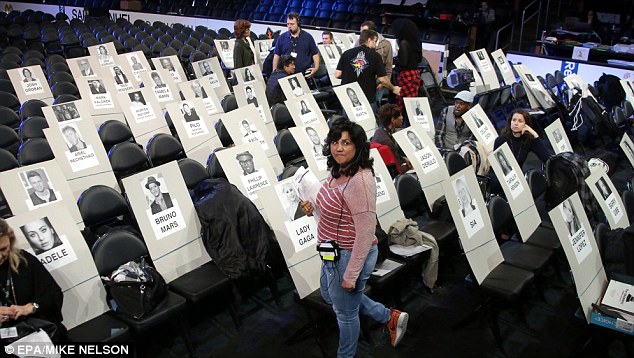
pixel 348 305
pixel 380 93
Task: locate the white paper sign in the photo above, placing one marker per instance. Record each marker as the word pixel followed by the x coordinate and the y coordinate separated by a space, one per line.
pixel 302 232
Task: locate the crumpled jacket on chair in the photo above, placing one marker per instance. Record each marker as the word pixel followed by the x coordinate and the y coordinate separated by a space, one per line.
pixel 405 232
pixel 234 233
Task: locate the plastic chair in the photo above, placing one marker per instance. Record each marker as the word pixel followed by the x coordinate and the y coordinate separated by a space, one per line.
pixel 32 127
pixel 35 150
pixel 163 148
pixel 113 132
pixel 193 172
pixel 127 159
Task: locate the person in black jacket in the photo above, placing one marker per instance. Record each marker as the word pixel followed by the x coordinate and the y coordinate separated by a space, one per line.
pixel 274 92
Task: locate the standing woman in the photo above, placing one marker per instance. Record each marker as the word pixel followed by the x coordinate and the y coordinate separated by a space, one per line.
pixel 346 204
pixel 242 51
pixel 410 54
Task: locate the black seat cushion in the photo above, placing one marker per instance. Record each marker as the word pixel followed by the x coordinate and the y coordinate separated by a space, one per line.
pixel 103 328
pixel 528 257
pixel 201 282
pixel 506 282
pixel 545 237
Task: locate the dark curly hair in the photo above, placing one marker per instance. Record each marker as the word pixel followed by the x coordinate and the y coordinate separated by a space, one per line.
pixel 359 139
pixel 528 119
pixel 387 112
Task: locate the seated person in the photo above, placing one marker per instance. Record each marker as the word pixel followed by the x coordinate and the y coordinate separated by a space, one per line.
pixel 274 93
pixel 30 291
pixel 522 138
pixel 390 119
pixel 451 130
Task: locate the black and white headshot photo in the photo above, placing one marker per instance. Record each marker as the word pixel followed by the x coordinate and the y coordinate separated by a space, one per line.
pixel 413 138
pixel 315 141
pixel 250 96
pixel 264 46
pixel 570 217
pixel 197 88
pixel 291 202
pixel 85 68
pixel 160 197
pixel 248 76
pixel 189 113
pixel 296 88
pixel 247 128
pixel 158 81
pixel 27 76
pixel 353 97
pixel 480 55
pixel 245 159
pixel 418 111
pixel 604 189
pixel 103 54
pixel 119 77
pixel 73 138
pixel 557 135
pixel 96 87
pixel 38 187
pixel 501 60
pixel 465 200
pixel 41 235
pixel 167 64
pixel 304 107
pixel 205 68
pixel 224 45
pixel 504 164
pixel 137 99
pixel 330 53
pixel 134 62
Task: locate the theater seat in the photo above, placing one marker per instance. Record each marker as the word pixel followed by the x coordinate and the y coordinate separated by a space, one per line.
pixel 35 150
pixel 193 172
pixel 163 148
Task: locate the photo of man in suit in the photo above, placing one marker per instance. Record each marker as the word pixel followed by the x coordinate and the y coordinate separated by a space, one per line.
pixel 96 87
pixel 205 68
pixel 85 68
pixel 161 201
pixel 136 65
pixel 73 138
pixel 119 77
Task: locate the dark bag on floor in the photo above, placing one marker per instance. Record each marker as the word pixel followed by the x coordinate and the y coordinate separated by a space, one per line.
pixel 618 251
pixel 135 289
pixel 383 245
pixel 611 92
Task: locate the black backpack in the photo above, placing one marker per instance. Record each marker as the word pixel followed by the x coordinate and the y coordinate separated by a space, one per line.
pixel 611 92
pixel 383 245
pixel 589 121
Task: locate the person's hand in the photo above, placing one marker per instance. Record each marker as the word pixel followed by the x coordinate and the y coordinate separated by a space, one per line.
pixel 6 313
pixel 379 86
pixel 307 207
pixel 530 130
pixel 21 311
pixel 397 90
pixel 348 286
pixel 312 70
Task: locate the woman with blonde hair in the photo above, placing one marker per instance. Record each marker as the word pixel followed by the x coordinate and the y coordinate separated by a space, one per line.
pixel 242 52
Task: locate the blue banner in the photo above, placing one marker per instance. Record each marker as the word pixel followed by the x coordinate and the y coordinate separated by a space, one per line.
pixel 569 68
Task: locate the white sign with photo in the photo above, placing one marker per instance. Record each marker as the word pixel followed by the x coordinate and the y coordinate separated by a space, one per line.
pixel 628 147
pixel 225 51
pixel 294 86
pixel 295 233
pixel 51 235
pixel 43 184
pixel 419 112
pixel 481 126
pixel 33 84
pixel 388 208
pixel 171 65
pixel 136 62
pixel 60 114
pixel 262 48
pixel 194 134
pixel 143 113
pixel 167 218
pixel 247 168
pixel 248 74
pixel 202 89
pixel 357 106
pixel 519 197
pixel 210 70
pixel 106 54
pixel 162 86
pixel 85 167
pixel 124 80
pixel 482 61
pixel 254 93
pixel 463 62
pixel 305 111
pixel 558 137
pixel 426 160
pixel 609 200
pixel 504 66
pixel 310 140
pixel 575 233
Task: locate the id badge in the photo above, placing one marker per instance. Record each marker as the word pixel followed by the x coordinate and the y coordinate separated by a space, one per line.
pixel 10 332
pixel 294 54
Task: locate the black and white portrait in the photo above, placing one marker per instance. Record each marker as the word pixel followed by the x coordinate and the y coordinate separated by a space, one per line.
pixel 159 198
pixel 167 64
pixel 604 189
pixel 304 107
pixel 245 159
pixel 296 88
pixel 315 141
pixel 119 77
pixel 41 235
pixel 197 88
pixel 247 128
pixel 158 81
pixel 27 76
pixel 570 217
pixel 352 95
pixel 38 186
pixel 465 200
pixel 557 135
pixel 248 76
pixel 251 96
pixel 85 68
pixel 205 68
pixel 189 112
pixel 134 63
pixel 504 164
pixel 137 99
pixel 97 87
pixel 73 138
pixel 414 140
